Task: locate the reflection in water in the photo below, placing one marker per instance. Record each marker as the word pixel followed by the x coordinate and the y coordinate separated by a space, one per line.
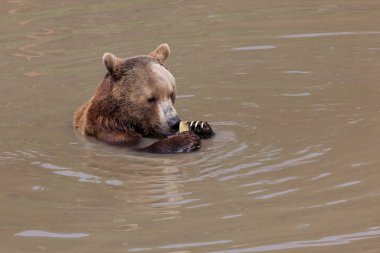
pixel 39 188
pixel 43 32
pixel 114 182
pixel 331 203
pixel 272 195
pixel 194 244
pixel 182 245
pixel 321 176
pixel 347 184
pixel 355 121
pixel 275 181
pixel 304 94
pixel 257 191
pixel 138 249
pixel 33 73
pixel 13 11
pixel 41 233
pixel 231 216
pixel 325 241
pixel 313 35
pixel 83 177
pixel 296 72
pixel 305 159
pixel 127 227
pixel 262 47
pixel 175 203
pixel 197 206
pixel 59 170
pixel 28 53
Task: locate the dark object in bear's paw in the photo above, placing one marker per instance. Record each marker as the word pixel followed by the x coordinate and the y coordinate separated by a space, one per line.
pixel 179 143
pixel 201 128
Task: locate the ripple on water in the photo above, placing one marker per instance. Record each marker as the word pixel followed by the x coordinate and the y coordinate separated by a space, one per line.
pixel 257 191
pixel 64 171
pixel 41 233
pixel 182 245
pixel 39 188
pixel 254 47
pixel 194 244
pixel 325 241
pixel 331 203
pixel 272 195
pixel 276 181
pixel 231 216
pixel 315 35
pixel 321 176
pixel 139 249
pixel 198 206
pixel 296 72
pixel 303 94
pixel 176 203
pixel 82 177
pixel 347 184
pixel 113 182
pixel 258 169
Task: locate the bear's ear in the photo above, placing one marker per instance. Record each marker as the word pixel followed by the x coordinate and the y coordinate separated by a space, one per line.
pixel 111 62
pixel 161 53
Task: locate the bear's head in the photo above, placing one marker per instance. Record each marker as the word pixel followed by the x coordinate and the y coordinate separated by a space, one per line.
pixel 138 94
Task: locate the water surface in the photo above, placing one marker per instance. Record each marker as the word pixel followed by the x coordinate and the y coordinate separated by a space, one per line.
pixel 291 88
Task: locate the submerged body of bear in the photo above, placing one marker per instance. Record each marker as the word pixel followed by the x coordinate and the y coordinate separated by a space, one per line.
pixel 134 100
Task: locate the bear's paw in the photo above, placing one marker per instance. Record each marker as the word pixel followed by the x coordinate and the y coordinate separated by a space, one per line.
pixel 201 128
pixel 179 143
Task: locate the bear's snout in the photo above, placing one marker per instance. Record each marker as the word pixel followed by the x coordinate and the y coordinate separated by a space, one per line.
pixel 174 123
pixel 169 116
pixel 172 118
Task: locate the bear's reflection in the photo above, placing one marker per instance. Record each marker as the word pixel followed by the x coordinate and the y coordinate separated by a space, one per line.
pixel 144 183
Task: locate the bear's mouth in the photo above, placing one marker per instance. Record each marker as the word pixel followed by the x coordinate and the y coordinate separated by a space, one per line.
pixel 161 131
pixel 175 127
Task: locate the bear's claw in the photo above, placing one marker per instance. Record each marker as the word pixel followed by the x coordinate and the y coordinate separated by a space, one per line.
pixel 201 128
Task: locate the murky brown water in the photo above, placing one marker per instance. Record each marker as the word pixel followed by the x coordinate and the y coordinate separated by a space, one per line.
pixel 292 89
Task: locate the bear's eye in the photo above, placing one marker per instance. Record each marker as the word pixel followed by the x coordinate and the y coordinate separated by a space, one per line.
pixel 152 99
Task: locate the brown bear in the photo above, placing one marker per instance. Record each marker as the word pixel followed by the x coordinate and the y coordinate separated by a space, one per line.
pixel 134 100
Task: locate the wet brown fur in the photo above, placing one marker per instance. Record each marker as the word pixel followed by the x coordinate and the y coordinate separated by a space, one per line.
pixel 118 112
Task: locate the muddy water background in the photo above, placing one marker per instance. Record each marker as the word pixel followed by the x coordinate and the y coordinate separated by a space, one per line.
pixel 291 87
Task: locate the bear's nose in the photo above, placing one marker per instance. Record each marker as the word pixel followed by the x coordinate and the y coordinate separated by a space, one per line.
pixel 174 123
